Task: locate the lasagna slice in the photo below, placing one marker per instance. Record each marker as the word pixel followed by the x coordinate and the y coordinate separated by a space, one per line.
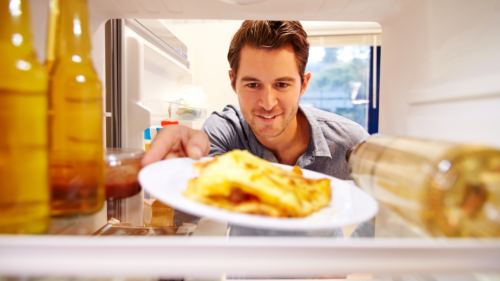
pixel 241 182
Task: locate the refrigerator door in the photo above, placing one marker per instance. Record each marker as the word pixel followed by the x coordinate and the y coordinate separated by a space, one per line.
pixel 148 72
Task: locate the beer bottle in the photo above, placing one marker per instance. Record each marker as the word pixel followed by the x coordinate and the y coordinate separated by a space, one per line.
pixel 52 34
pixel 24 184
pixel 447 189
pixel 75 117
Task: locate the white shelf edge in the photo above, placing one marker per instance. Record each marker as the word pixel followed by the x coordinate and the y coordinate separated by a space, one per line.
pixel 254 256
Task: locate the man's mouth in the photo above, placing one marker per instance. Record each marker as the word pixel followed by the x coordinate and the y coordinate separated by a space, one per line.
pixel 268 117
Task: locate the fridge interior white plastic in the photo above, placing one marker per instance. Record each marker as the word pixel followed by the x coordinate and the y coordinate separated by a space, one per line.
pixel 150 75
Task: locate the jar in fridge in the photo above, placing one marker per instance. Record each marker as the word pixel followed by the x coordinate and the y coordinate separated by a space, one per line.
pixel 122 168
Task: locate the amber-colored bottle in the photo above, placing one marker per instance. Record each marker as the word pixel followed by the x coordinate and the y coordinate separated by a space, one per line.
pixel 52 34
pixel 75 117
pixel 447 189
pixel 24 185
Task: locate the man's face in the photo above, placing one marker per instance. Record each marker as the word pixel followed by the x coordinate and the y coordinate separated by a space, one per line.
pixel 269 87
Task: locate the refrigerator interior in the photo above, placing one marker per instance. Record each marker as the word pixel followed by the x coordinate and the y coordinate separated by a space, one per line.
pixel 439 71
pixel 151 78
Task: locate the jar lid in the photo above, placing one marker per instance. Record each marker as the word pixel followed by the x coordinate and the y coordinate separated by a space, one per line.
pixel 169 122
pixel 113 154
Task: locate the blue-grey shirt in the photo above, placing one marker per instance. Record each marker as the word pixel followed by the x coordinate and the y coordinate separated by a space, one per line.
pixel 331 136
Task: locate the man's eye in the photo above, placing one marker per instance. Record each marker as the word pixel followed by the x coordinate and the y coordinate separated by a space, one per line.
pixel 252 85
pixel 282 85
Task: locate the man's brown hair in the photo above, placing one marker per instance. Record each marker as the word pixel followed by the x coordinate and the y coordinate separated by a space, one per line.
pixel 270 35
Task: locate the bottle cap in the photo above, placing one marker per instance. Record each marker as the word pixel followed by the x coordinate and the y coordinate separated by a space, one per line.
pixel 147 134
pixel 167 122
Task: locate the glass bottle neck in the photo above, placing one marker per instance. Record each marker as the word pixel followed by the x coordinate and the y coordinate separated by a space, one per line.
pixel 52 33
pixel 73 31
pixel 15 31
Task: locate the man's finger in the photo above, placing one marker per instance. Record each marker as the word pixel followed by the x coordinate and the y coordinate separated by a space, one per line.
pixel 175 154
pixel 162 144
pixel 198 144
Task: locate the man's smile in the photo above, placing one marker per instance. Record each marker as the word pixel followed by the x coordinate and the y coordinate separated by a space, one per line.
pixel 268 118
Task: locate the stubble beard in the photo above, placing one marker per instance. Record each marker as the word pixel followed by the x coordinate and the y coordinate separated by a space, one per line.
pixel 271 130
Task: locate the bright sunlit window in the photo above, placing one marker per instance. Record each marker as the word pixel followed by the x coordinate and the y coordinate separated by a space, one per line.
pixel 341 82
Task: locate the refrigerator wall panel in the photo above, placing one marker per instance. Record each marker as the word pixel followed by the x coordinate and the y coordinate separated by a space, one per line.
pixel 440 63
pixel 151 76
pixel 163 78
pixel 468 120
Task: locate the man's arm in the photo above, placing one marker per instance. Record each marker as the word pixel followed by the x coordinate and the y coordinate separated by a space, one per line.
pixel 217 137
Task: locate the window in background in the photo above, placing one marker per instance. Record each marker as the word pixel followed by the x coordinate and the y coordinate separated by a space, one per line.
pixel 342 69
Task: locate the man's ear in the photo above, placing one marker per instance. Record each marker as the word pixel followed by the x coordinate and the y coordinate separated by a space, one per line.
pixel 231 78
pixel 307 77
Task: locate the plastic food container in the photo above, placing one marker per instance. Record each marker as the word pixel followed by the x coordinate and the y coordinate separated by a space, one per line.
pixel 178 111
pixel 122 167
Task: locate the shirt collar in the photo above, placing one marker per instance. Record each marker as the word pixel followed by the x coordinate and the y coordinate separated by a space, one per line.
pixel 318 141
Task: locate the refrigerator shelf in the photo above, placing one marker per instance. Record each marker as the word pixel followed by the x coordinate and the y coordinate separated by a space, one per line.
pixel 205 257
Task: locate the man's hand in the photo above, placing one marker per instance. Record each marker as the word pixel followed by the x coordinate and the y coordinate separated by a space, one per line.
pixel 175 141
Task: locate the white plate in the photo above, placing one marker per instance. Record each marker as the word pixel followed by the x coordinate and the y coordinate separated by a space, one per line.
pixel 166 180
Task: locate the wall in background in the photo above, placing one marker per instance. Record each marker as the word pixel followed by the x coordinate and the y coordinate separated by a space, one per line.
pixel 208 43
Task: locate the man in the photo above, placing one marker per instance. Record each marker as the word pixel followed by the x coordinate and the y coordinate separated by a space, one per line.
pixel 268 61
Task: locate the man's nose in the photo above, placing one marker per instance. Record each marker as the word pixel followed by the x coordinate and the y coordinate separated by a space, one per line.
pixel 268 99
